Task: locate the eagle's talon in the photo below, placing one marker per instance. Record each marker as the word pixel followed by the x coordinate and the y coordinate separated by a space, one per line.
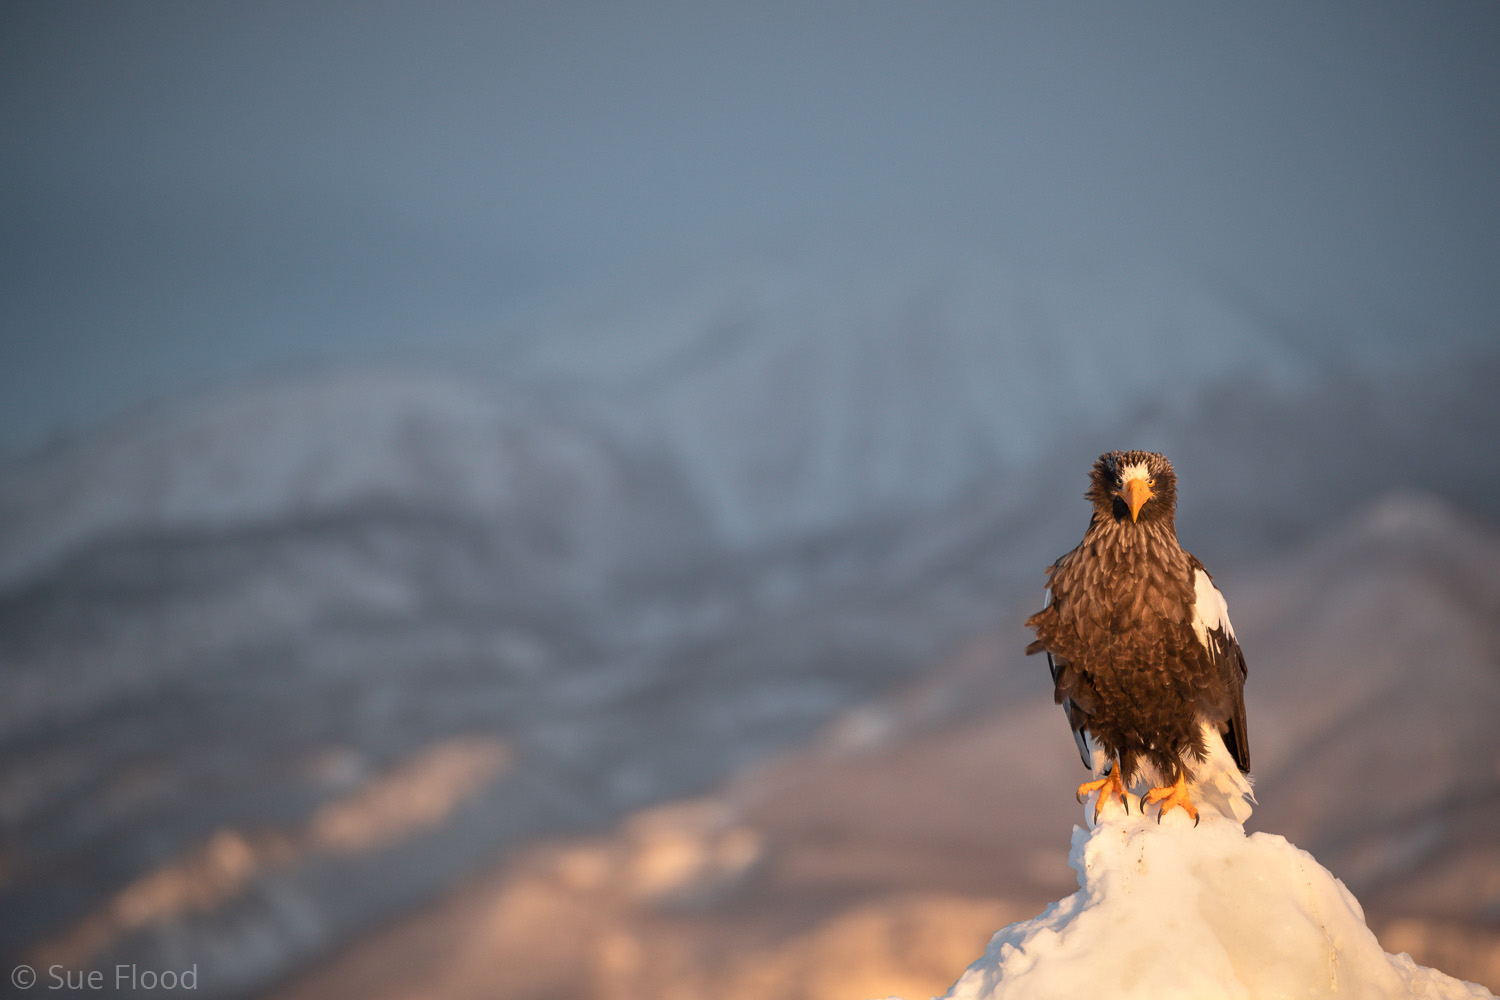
pixel 1173 796
pixel 1107 787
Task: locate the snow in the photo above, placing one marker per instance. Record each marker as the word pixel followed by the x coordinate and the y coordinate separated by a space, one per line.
pixel 1169 910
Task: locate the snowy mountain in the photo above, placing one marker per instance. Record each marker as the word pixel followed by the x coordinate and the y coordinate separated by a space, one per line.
pixel 314 444
pixel 882 857
pixel 797 405
pixel 783 407
pixel 644 555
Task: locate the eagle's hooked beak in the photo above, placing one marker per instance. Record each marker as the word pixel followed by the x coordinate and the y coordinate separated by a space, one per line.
pixel 1136 493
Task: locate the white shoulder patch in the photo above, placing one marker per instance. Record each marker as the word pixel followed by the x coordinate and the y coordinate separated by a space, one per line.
pixel 1209 610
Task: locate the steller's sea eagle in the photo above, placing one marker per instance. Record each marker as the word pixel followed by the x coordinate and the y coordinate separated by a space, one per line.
pixel 1143 658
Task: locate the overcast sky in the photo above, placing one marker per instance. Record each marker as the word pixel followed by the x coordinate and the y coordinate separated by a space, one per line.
pixel 194 191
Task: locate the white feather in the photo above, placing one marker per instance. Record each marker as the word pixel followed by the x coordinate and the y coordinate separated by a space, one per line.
pixel 1209 611
pixel 1218 783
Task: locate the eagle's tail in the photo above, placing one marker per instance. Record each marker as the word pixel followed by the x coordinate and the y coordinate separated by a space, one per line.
pixel 1218 783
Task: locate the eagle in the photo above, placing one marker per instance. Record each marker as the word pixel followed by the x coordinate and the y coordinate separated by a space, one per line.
pixel 1137 636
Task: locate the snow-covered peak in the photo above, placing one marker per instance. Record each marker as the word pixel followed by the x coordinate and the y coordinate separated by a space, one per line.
pixel 800 403
pixel 775 405
pixel 1171 911
pixel 783 404
pixel 307 444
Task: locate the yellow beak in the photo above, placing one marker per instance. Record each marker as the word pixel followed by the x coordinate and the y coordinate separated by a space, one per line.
pixel 1136 493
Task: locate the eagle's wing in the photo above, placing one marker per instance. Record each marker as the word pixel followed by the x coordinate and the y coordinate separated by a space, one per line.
pixel 1070 688
pixel 1062 682
pixel 1210 620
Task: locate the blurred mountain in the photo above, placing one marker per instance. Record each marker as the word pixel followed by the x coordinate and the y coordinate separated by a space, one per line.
pixel 880 858
pixel 782 406
pixel 285 658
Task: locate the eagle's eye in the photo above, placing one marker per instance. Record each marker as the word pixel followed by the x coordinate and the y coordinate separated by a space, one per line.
pixel 1151 481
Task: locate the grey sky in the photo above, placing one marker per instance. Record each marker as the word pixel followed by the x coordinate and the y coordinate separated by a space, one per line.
pixel 193 191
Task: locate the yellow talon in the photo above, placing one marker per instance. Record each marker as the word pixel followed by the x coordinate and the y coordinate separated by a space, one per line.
pixel 1172 796
pixel 1108 787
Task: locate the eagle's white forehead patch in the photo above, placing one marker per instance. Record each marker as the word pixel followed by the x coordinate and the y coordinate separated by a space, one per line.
pixel 1137 471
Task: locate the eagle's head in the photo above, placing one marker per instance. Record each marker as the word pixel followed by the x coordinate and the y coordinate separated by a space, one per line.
pixel 1138 487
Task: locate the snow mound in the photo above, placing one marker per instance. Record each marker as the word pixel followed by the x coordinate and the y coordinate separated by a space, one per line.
pixel 1169 910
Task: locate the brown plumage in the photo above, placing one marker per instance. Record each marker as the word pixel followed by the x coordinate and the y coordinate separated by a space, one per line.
pixel 1144 660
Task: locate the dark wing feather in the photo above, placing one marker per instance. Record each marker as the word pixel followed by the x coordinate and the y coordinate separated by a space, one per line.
pixel 1077 720
pixel 1228 669
pixel 1072 687
pixel 1238 737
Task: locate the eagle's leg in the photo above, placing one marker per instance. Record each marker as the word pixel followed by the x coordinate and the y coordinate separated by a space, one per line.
pixel 1108 787
pixel 1173 796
